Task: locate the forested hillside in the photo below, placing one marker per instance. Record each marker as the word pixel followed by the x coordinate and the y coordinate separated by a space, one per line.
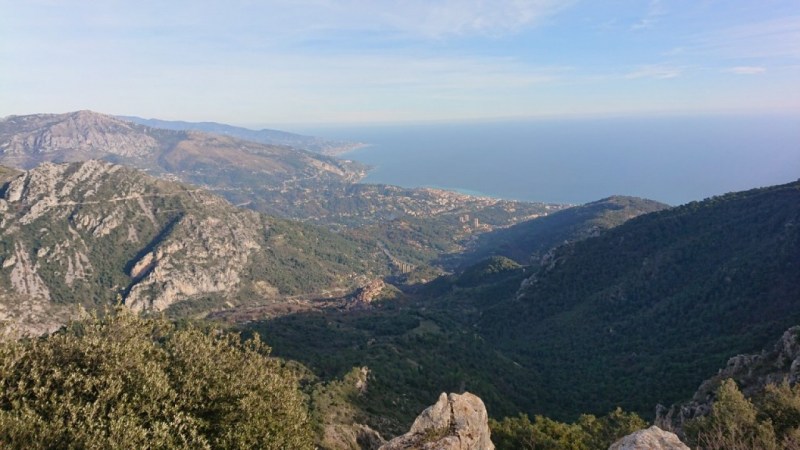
pixel 529 241
pixel 636 316
pixel 640 314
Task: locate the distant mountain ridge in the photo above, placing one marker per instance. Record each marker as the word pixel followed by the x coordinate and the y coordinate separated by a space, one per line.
pixel 274 179
pixel 264 136
pixel 527 242
pixel 242 171
pixel 416 225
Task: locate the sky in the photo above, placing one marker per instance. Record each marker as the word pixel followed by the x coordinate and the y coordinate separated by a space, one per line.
pixel 274 62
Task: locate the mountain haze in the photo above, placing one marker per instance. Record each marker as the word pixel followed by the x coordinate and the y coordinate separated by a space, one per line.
pixel 263 136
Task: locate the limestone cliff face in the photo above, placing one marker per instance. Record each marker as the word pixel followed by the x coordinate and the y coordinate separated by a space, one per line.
pixel 454 422
pixel 28 140
pixel 93 233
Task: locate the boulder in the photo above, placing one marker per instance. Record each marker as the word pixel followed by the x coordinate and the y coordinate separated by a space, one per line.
pixel 454 422
pixel 653 438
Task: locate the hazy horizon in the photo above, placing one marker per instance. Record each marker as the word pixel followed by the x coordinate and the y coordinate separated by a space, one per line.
pixel 673 160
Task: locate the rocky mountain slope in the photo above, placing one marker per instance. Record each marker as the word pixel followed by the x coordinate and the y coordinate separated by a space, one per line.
pixel 87 234
pixel 416 226
pixel 263 136
pixel 221 163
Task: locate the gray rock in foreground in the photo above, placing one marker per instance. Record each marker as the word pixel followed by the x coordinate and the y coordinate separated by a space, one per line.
pixel 653 438
pixel 454 422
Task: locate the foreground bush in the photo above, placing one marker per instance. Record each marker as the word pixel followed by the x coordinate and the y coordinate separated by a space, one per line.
pixel 587 433
pixel 128 382
pixel 770 422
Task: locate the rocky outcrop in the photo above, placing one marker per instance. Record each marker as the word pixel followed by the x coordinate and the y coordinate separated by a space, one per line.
pixel 776 363
pixel 653 438
pixel 455 422
pixel 366 294
pixel 351 437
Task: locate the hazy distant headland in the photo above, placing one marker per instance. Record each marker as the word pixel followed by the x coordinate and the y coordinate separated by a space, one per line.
pixel 671 159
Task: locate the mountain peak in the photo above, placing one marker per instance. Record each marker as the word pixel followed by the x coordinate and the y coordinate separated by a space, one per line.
pixel 80 135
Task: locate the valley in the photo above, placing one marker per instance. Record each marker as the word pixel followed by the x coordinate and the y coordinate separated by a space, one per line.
pixel 537 308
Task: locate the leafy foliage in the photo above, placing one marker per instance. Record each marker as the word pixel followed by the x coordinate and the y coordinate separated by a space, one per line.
pixel 127 382
pixel 587 433
pixel 770 422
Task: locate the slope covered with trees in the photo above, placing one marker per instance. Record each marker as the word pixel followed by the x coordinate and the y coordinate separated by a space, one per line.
pixel 640 314
pixel 529 241
pixel 636 316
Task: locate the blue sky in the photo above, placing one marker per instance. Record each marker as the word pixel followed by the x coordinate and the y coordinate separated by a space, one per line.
pixel 326 61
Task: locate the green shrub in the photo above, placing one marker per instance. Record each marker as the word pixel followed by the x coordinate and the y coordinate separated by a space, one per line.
pixel 588 433
pixel 735 423
pixel 130 382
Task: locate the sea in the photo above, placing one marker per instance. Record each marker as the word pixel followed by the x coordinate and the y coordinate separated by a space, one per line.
pixel 672 159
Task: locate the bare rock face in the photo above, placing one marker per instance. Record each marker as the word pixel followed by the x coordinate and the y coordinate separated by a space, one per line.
pixel 653 438
pixel 454 422
pixel 368 293
pixel 28 140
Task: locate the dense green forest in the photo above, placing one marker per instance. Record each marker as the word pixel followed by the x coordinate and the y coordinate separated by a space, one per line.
pixel 636 316
pixel 655 304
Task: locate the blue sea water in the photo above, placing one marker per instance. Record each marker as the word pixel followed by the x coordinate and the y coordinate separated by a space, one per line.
pixel 670 159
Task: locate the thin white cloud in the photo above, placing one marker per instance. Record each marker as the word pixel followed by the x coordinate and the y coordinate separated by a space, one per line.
pixel 746 70
pixel 675 51
pixel 462 17
pixel 658 71
pixel 777 38
pixel 427 18
pixel 654 12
